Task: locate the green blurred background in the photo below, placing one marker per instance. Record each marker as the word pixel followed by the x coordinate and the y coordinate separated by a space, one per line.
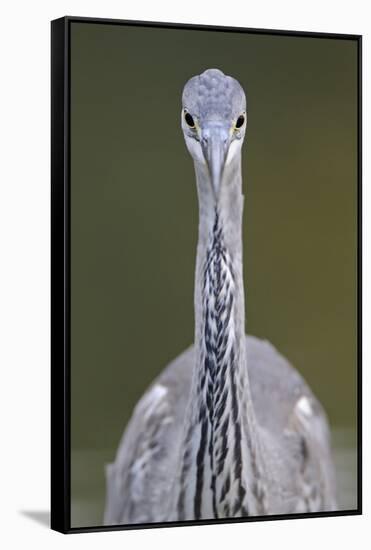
pixel 134 219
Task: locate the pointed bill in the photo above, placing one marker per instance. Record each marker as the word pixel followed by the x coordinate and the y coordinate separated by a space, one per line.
pixel 215 148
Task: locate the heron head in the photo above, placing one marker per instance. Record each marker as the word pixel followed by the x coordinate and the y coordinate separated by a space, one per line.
pixel 214 121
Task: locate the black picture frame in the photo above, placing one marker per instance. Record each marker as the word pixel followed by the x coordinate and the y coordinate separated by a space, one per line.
pixel 60 272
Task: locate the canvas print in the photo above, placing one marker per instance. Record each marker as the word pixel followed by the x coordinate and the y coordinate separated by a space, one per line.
pixel 214 343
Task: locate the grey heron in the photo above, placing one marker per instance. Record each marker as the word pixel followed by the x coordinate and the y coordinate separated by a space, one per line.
pixel 229 428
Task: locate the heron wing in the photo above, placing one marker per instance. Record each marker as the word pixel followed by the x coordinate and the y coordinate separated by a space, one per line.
pixel 295 427
pixel 139 480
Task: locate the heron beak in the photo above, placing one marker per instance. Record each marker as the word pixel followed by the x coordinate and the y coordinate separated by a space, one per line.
pixel 215 144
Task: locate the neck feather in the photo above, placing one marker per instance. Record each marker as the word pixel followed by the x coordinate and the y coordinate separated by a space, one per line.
pixel 221 450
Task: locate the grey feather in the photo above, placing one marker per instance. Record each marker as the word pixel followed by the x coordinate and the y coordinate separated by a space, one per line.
pixel 229 428
pixel 276 389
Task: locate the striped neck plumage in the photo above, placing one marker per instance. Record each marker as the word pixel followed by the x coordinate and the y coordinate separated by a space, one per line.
pixel 221 464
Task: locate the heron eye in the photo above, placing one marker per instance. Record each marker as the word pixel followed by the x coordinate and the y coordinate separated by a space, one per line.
pixel 189 119
pixel 240 122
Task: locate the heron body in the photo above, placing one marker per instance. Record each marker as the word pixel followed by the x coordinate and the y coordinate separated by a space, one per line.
pixel 229 429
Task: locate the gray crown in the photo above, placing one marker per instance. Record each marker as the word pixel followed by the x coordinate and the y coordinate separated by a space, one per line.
pixel 213 94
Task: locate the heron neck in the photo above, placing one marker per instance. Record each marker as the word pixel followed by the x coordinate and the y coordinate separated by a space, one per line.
pixel 221 444
pixel 220 247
